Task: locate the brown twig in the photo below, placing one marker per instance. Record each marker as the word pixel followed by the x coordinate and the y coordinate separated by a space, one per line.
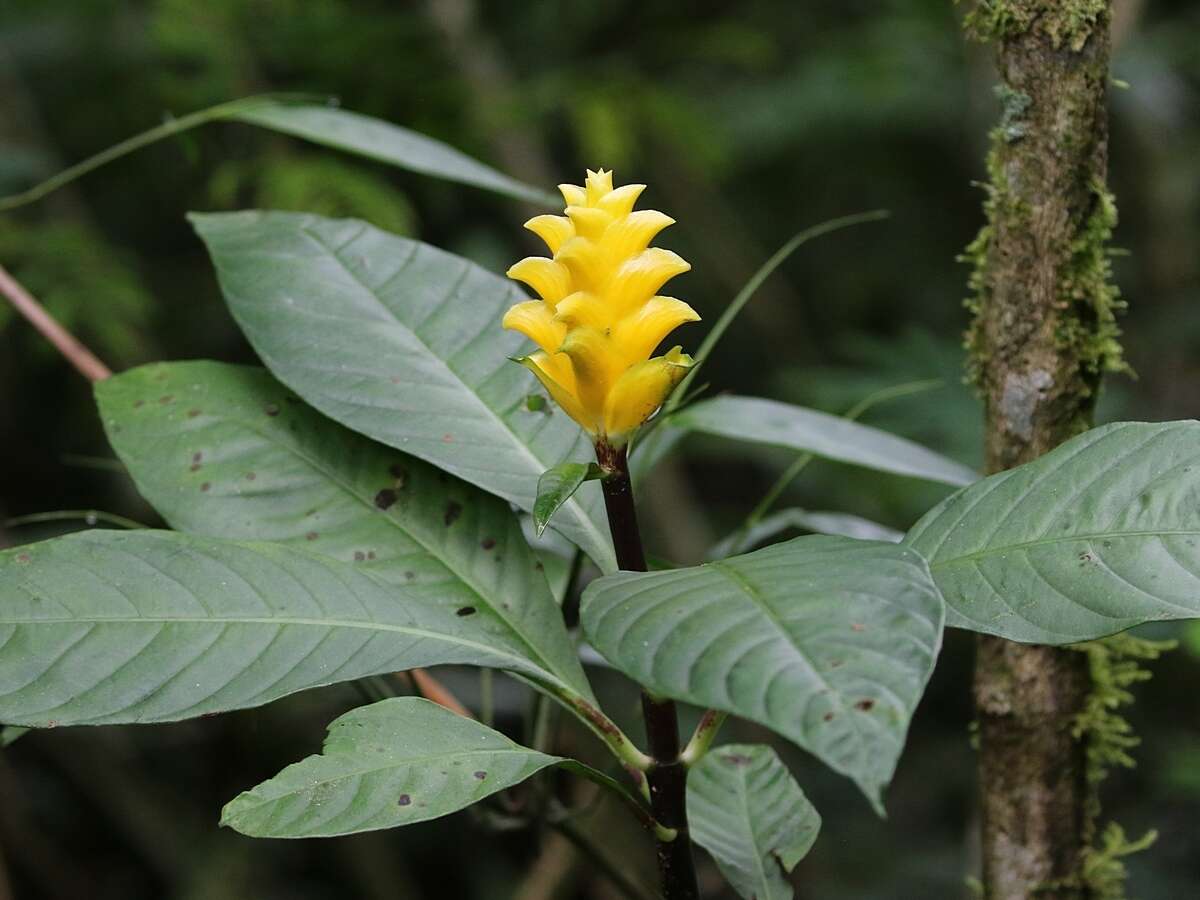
pixel 85 362
pixel 432 689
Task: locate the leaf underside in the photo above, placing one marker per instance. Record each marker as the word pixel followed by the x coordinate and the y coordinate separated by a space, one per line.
pixel 828 641
pixel 746 810
pixel 155 626
pixel 395 762
pixel 1099 535
pixel 226 451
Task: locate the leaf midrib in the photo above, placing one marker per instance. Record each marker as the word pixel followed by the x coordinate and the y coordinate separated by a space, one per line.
pixel 392 764
pixel 370 507
pixel 1064 539
pixel 577 510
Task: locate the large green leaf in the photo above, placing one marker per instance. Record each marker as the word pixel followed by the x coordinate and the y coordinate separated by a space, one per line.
pixel 392 763
pixel 227 451
pixel 322 124
pixel 1097 536
pixel 402 342
pixel 745 809
pixel 832 437
pixel 828 641
pixel 387 143
pixel 153 626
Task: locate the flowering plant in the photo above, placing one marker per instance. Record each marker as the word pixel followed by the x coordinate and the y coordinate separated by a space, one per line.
pixel 372 503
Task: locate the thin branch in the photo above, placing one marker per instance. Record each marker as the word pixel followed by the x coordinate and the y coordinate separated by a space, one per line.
pixel 432 689
pixel 84 361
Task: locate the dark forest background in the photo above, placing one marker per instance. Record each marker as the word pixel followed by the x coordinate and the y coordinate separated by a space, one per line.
pixel 749 120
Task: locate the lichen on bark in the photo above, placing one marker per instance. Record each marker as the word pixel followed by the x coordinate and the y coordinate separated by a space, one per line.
pixel 1067 23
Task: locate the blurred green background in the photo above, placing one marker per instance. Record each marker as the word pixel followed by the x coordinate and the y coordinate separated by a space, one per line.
pixel 749 120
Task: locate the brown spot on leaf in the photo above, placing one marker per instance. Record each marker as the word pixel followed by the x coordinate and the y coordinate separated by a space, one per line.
pixel 250 476
pixel 23 557
pixel 370 554
pixel 271 409
pixel 453 511
pixel 447 438
pixel 736 759
pixel 857 626
pixel 410 575
pixel 166 398
pixel 398 472
pixel 488 543
pixel 138 404
pixel 865 705
pixel 481 775
pixel 205 486
pixel 828 717
pixel 359 556
pixel 465 611
pixel 311 536
pixel 192 413
pixel 386 498
pixel 404 800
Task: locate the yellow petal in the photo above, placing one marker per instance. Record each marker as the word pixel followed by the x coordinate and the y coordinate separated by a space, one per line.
pixel 587 262
pixel 598 184
pixel 620 201
pixel 596 364
pixel 640 278
pixel 640 391
pixel 573 194
pixel 633 233
pixel 554 230
pixel 536 321
pixel 553 379
pixel 583 309
pixel 550 279
pixel 587 221
pixel 639 333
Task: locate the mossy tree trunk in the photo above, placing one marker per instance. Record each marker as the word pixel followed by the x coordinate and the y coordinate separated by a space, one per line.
pixel 1043 335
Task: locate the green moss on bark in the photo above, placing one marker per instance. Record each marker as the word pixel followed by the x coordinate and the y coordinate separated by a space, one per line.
pixel 1067 23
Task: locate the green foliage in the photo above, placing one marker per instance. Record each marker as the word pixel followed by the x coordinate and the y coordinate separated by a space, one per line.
pixel 392 763
pixel 400 341
pixel 827 641
pixel 1085 541
pixel 832 437
pixel 751 815
pixel 556 486
pixel 226 451
pixel 178 626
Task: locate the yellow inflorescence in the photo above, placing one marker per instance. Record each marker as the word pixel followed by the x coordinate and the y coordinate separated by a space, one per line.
pixel 600 317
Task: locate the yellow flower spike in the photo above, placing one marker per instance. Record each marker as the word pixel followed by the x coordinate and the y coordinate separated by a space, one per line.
pixel 600 317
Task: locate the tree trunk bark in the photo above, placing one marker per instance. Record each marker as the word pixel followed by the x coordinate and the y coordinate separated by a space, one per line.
pixel 1044 333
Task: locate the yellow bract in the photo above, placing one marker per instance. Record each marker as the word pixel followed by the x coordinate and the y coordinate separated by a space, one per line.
pixel 600 316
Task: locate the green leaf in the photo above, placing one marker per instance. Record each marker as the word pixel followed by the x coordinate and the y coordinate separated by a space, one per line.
pixel 395 762
pixel 383 141
pixel 156 626
pixel 745 809
pixel 1099 535
pixel 10 733
pixel 835 523
pixel 227 451
pixel 828 641
pixel 557 486
pixel 322 124
pixel 401 342
pixel 832 437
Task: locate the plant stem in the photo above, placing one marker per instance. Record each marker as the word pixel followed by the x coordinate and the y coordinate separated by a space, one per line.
pixel 667 777
pixel 703 737
pixel 85 362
